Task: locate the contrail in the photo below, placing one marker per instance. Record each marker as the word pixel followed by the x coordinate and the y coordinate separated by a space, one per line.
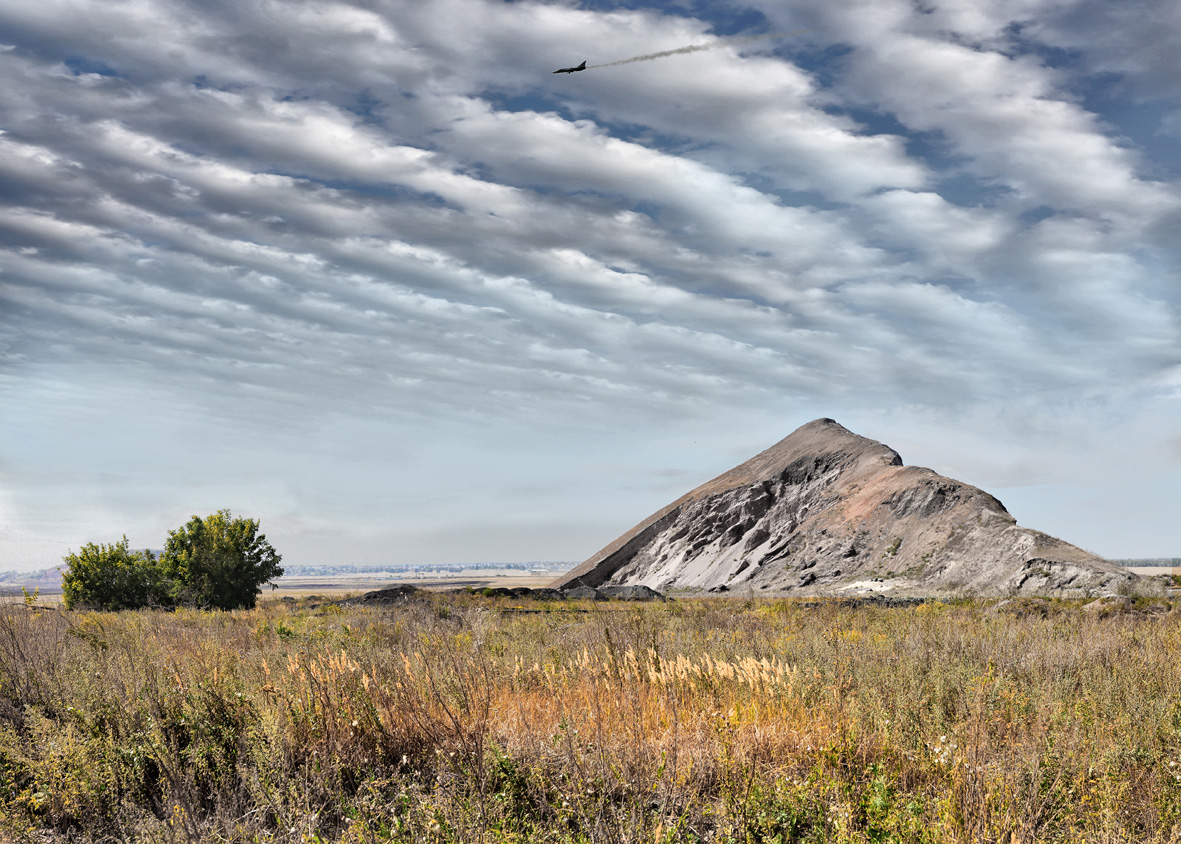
pixel 713 45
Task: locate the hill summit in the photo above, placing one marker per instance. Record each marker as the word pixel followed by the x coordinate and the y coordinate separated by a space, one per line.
pixel 826 510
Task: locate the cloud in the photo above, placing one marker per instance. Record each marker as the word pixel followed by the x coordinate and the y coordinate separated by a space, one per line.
pixel 398 214
pixel 1135 40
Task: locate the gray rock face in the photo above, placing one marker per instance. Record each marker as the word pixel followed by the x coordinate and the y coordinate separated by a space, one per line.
pixel 578 592
pixel 825 510
pixel 630 593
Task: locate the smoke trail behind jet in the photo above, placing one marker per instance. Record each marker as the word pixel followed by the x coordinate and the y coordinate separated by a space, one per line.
pixel 713 45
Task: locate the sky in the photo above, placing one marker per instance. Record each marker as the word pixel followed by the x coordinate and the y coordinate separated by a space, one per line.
pixel 369 272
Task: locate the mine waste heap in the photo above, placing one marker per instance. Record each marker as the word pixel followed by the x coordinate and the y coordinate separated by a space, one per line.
pixel 826 511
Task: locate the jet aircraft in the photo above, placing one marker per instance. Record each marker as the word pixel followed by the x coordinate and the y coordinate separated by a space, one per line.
pixel 573 69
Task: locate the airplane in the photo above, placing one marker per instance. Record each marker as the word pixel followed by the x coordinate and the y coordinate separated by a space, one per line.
pixel 573 69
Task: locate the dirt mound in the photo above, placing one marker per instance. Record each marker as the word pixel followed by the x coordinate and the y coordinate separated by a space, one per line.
pixel 828 511
pixel 399 594
pixel 637 592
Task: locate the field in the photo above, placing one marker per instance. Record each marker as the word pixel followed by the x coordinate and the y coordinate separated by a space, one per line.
pixel 337 586
pixel 461 718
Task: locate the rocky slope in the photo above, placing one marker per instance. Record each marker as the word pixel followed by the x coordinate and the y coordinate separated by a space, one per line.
pixel 827 511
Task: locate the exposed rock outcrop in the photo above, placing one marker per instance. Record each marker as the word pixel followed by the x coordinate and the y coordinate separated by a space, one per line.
pixel 401 594
pixel 825 510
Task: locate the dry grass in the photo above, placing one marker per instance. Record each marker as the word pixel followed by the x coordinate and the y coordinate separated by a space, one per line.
pixel 712 720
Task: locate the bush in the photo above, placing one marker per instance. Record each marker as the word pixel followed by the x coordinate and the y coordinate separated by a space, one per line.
pixel 220 562
pixel 112 577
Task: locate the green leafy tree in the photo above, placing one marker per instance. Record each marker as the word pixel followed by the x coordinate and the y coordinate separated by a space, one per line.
pixel 219 562
pixel 113 577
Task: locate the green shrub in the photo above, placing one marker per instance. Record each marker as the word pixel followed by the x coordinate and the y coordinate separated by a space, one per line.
pixel 219 562
pixel 112 577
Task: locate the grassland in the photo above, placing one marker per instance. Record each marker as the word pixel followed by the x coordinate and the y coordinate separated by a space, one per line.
pixel 469 720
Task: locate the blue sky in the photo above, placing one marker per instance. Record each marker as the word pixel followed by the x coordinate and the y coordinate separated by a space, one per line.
pixel 369 272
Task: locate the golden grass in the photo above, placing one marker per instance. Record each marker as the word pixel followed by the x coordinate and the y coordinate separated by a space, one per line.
pixel 448 719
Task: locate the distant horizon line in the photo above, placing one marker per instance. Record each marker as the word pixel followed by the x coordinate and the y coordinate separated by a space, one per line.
pixel 15 575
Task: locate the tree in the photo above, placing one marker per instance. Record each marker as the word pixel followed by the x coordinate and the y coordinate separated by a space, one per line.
pixel 219 562
pixel 112 577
